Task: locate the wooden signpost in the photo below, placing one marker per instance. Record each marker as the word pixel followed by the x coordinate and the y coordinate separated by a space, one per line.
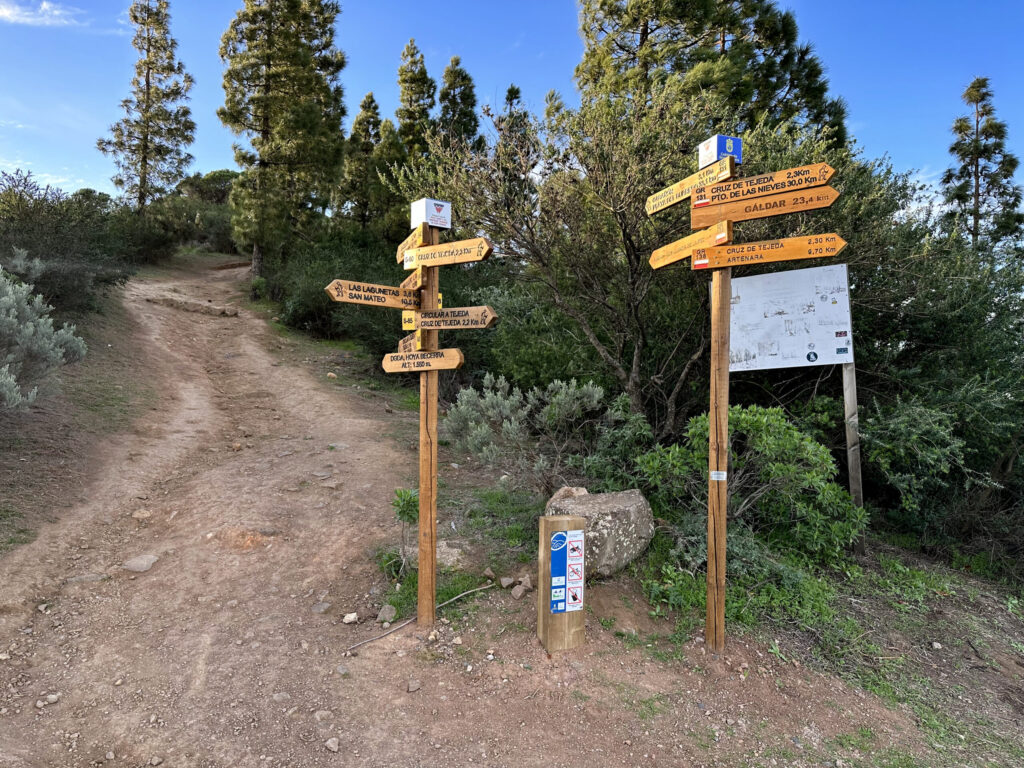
pixel 758 186
pixel 419 236
pixel 456 318
pixel 763 207
pixel 418 352
pixel 767 251
pixel 714 205
pixel 430 360
pixel 719 234
pixel 461 252
pixel 669 196
pixel 377 295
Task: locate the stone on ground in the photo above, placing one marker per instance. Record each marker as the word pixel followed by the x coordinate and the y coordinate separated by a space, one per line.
pixel 619 527
pixel 140 564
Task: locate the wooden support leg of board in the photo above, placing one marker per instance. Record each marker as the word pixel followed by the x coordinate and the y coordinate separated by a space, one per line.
pixel 853 441
pixel 427 586
pixel 718 458
pixel 557 631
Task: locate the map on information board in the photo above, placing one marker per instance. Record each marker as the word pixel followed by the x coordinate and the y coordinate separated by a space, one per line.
pixel 790 319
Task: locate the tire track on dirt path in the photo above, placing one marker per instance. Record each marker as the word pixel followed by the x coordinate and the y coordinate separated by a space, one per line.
pixel 232 482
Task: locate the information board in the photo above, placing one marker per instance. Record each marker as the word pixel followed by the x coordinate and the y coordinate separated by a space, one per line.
pixel 791 319
pixel 566 571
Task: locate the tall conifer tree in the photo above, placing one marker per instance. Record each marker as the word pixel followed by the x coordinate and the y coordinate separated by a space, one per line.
pixel 148 144
pixel 357 187
pixel 980 190
pixel 745 50
pixel 458 120
pixel 282 92
pixel 416 100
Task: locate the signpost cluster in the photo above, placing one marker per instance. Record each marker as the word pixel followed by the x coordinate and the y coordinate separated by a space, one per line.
pixel 718 199
pixel 418 296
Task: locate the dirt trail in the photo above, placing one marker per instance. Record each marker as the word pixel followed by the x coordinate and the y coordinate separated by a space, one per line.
pixel 215 657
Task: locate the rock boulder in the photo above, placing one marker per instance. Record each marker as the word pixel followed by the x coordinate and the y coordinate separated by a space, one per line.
pixel 619 527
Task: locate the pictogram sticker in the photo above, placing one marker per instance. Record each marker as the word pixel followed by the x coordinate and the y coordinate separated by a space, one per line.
pixel 567 552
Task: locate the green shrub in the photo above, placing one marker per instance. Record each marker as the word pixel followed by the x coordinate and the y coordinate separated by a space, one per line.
pixel 70 246
pixel 30 348
pixel 545 437
pixel 762 584
pixel 781 483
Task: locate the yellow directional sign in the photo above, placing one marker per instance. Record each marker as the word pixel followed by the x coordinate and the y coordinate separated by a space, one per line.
pixel 659 201
pixel 804 177
pixel 763 207
pixel 378 295
pixel 460 252
pixel 414 281
pixel 455 318
pixel 415 362
pixel 767 251
pixel 419 236
pixel 720 234
pixel 411 343
pixel 409 316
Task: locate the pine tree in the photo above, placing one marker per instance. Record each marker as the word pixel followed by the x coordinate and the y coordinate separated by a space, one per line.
pixel 458 120
pixel 148 144
pixel 980 191
pixel 745 50
pixel 390 212
pixel 283 94
pixel 416 100
pixel 360 179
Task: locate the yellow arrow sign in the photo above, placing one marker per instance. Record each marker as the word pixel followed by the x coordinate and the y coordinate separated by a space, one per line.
pixel 669 196
pixel 720 234
pixel 804 177
pixel 763 207
pixel 377 295
pixel 460 252
pixel 419 236
pixel 411 343
pixel 455 318
pixel 767 251
pixel 409 316
pixel 414 362
pixel 414 281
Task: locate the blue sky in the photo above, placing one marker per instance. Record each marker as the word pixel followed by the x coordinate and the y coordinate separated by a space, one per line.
pixel 901 67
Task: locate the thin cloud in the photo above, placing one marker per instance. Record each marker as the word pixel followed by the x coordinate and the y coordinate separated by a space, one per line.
pixel 45 14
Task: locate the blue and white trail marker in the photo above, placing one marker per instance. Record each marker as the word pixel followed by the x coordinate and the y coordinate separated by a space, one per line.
pixel 718 146
pixel 566 571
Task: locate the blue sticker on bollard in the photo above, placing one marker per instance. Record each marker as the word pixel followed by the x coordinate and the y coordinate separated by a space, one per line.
pixel 558 568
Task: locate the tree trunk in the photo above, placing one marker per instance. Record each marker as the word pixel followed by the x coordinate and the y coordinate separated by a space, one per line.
pixel 977 183
pixel 257 267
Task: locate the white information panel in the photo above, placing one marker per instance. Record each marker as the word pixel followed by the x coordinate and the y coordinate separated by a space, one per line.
pixel 790 319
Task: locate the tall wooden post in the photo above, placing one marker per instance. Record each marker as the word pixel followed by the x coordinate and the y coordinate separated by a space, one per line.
pixel 718 458
pixel 426 587
pixel 853 441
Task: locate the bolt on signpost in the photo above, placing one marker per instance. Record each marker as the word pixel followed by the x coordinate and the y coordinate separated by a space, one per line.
pixel 718 200
pixel 418 297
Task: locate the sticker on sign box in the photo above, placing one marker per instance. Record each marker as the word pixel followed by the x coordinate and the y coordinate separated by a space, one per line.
pixel 436 213
pixel 574 570
pixel 719 146
pixel 559 569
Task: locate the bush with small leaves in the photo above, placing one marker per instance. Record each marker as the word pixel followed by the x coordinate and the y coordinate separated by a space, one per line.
pixel 30 347
pixel 545 437
pixel 781 484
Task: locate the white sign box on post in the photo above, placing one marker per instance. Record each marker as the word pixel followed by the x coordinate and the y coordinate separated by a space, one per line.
pixel 436 213
pixel 791 319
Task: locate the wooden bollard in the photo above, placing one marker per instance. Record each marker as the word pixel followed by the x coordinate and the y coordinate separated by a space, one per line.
pixel 560 620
